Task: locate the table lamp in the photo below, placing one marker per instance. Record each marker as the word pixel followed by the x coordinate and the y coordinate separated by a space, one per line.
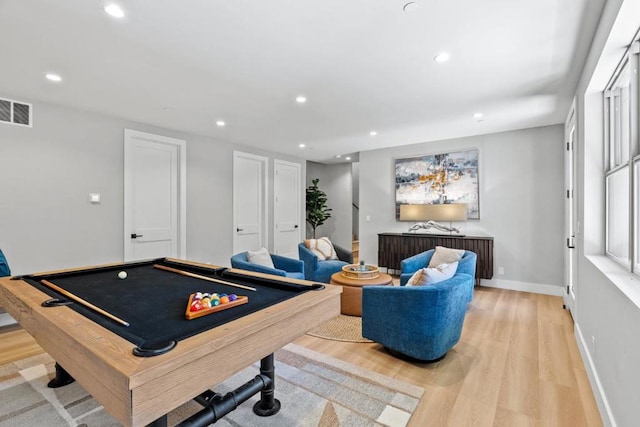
pixel 427 215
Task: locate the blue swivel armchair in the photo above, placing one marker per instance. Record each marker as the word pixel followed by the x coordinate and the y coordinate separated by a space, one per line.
pixel 409 266
pixel 422 322
pixel 4 265
pixel 321 271
pixel 284 266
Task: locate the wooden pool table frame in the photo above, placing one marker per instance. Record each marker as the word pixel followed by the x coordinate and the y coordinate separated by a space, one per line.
pixel 139 390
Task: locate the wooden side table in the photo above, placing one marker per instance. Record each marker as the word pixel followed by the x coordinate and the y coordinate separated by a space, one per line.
pixel 394 247
pixel 351 298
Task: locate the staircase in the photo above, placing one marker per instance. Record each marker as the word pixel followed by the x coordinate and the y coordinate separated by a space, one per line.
pixel 355 250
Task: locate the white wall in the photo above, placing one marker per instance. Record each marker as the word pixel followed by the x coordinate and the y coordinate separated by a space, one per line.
pixel 521 202
pixel 335 180
pixel 48 171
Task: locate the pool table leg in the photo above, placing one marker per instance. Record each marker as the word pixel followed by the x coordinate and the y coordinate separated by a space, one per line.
pixel 62 378
pixel 268 404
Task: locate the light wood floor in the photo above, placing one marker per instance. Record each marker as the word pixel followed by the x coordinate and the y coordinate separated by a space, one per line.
pixel 517 364
pixel 16 344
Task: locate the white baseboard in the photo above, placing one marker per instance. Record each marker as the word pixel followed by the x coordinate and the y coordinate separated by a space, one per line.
pixel 6 320
pixel 594 379
pixel 536 288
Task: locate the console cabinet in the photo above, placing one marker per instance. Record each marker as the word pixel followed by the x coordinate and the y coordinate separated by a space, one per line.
pixel 394 247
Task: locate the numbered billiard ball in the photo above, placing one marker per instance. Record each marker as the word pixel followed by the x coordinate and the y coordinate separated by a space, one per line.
pixel 122 275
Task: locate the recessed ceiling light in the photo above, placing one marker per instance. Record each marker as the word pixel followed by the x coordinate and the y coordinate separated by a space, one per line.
pixel 53 77
pixel 477 116
pixel 301 145
pixel 442 57
pixel 114 10
pixel 347 158
pixel 221 123
pixel 301 99
pixel 410 7
pixel 373 133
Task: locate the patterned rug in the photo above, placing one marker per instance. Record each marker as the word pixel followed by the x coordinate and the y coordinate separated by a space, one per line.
pixel 341 328
pixel 314 389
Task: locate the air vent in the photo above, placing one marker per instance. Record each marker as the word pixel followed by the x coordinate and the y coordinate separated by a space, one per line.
pixel 16 113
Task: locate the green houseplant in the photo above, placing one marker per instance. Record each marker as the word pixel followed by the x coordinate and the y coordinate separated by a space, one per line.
pixel 317 210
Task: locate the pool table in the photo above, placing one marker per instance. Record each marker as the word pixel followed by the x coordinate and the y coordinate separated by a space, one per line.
pixel 128 341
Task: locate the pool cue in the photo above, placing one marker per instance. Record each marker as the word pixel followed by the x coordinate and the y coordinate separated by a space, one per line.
pixel 83 302
pixel 199 276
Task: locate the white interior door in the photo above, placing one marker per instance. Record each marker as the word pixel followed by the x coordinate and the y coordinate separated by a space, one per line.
pixel 287 208
pixel 570 258
pixel 154 196
pixel 249 202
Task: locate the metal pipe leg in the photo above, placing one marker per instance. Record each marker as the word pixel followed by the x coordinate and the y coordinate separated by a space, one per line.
pixel 268 404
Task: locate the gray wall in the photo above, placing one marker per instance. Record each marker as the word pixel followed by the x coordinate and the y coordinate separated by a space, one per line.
pixel 521 200
pixel 335 180
pixel 48 171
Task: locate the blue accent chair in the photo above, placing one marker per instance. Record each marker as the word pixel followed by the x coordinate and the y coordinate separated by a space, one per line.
pixel 421 322
pixel 321 271
pixel 284 266
pixel 4 265
pixel 409 266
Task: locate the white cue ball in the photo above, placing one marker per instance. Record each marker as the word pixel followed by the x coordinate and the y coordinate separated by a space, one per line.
pixel 122 275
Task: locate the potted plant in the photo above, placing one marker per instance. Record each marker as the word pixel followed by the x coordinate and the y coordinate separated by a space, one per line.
pixel 317 210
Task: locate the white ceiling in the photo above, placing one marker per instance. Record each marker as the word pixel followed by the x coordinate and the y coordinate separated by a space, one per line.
pixel 363 65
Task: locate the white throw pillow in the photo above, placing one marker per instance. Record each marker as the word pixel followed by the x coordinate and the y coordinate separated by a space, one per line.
pixel 260 257
pixel 322 247
pixel 444 255
pixel 432 275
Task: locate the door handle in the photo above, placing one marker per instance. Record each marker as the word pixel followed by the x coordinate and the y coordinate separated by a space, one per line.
pixel 295 226
pixel 569 245
pixel 135 236
pixel 239 229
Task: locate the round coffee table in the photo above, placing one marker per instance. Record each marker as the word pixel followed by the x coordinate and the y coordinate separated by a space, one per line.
pixel 351 298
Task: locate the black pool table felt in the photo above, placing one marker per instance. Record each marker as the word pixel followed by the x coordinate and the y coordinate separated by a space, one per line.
pixel 152 301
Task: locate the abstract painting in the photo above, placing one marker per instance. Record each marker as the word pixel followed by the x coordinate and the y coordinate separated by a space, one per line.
pixel 439 178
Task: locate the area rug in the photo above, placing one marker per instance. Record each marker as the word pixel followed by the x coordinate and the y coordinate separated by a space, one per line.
pixel 314 389
pixel 341 328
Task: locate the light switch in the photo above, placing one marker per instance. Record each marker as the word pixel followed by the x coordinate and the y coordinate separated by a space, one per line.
pixel 94 198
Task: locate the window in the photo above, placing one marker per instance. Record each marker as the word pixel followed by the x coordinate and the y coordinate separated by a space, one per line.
pixel 620 115
pixel 623 163
pixel 617 189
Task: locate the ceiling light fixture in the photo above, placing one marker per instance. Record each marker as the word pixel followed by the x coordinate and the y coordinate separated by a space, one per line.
pixel 338 156
pixel 301 145
pixel 114 10
pixel 301 99
pixel 347 158
pixel 442 57
pixel 410 7
pixel 477 116
pixel 221 123
pixel 373 133
pixel 53 77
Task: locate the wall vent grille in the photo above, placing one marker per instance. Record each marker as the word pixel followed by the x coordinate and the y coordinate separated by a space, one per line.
pixel 16 113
